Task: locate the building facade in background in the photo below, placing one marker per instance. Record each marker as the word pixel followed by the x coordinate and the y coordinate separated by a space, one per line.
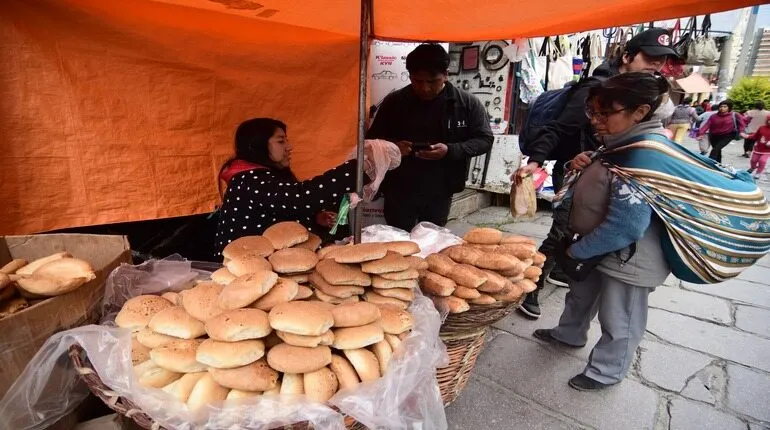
pixel 759 59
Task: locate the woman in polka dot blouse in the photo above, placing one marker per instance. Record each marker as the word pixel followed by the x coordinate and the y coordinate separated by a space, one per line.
pixel 262 190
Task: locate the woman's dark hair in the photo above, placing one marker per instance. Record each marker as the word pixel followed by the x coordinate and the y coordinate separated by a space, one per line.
pixel 630 90
pixel 687 101
pixel 760 105
pixel 429 57
pixel 728 103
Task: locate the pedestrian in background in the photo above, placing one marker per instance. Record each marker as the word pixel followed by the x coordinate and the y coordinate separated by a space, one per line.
pixel 756 118
pixel 723 127
pixel 761 149
pixel 682 120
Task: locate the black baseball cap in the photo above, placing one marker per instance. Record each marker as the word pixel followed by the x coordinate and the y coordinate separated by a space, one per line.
pixel 655 42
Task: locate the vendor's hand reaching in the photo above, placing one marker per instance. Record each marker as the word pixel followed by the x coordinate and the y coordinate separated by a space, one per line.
pixel 405 147
pixel 581 161
pixel 437 151
pixel 326 219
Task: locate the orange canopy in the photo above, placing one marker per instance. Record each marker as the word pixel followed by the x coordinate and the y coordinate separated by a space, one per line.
pixel 124 110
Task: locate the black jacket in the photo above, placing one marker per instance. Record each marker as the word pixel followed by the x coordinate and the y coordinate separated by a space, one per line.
pixel 571 133
pixel 463 125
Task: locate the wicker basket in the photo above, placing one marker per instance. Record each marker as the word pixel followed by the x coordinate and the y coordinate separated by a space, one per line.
pixel 126 408
pixel 463 350
pixel 477 317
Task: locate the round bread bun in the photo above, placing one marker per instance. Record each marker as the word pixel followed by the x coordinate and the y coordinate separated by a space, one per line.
pixel 229 355
pixel 183 387
pixel 325 298
pixel 178 356
pixel 247 289
pixel 303 292
pixel 323 253
pixel 307 341
pixel 293 260
pixel 417 263
pixel 342 274
pixel 151 375
pixel 247 245
pixel 301 318
pixel 383 352
pixel 296 359
pixel 392 262
pixel 175 321
pixel 377 299
pixel 346 374
pixel 466 293
pixel 206 391
pixel 137 312
pixel 394 320
pixel 292 384
pixel 358 337
pixel 300 278
pixel 379 282
pixel 139 352
pixel 222 276
pixel 355 314
pixel 151 340
pixel 393 341
pixel 239 394
pixel 248 264
pixel 365 362
pixel 257 376
pixel 484 236
pixel 286 234
pixel 338 291
pixel 358 253
pixel 202 301
pixel 172 297
pixel 483 299
pixel 402 275
pixel 403 247
pixel 440 264
pixel 405 294
pixel 320 385
pixel 437 285
pixel 312 243
pixel 238 324
pixel 285 290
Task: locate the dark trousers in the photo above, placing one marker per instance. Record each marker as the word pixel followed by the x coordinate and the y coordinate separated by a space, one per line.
pixel 405 213
pixel 718 143
pixel 748 145
pixel 557 176
pixel 556 236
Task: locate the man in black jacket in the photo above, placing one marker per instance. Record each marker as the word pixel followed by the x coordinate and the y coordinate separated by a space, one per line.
pixel 438 128
pixel 572 134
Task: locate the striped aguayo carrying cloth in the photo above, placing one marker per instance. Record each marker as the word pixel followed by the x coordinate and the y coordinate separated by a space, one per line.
pixel 717 219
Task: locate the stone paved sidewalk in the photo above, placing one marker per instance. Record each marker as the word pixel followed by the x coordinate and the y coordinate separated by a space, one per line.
pixel 704 362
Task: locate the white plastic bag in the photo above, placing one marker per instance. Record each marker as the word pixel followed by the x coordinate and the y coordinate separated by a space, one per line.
pixel 432 238
pixel 380 156
pixel 407 397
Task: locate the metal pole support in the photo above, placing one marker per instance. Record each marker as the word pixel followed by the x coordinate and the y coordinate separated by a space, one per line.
pixel 363 57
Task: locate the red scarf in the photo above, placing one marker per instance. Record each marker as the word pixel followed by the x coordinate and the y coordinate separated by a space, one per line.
pixel 236 167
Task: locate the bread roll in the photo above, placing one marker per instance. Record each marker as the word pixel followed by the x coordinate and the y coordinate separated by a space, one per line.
pixel 355 314
pixel 437 285
pixel 228 355
pixel 257 376
pixel 139 352
pixel 206 391
pixel 300 278
pixel 239 394
pixel 464 254
pixel 248 264
pixel 405 294
pixel 239 324
pixel 172 297
pixel 382 283
pixel 344 371
pixel 222 276
pixel 149 374
pixel 358 253
pixel 151 340
pixel 312 243
pixel 247 289
pixel 494 261
pixel 285 290
pixel 533 273
pixel 323 297
pixel 358 337
pixel 527 286
pixel 522 251
pixel 494 283
pixel 274 391
pixel 377 299
pixel 49 287
pixel 484 235
pixel 365 362
pixel 183 387
pixel 29 269
pixel 301 318
pixel 293 260
pixel 392 262
pixel 511 293
pixel 11 267
pixel 292 384
pixel 342 274
pixel 202 301
pixel 296 359
pixel 394 320
pixel 451 304
pixel 66 268
pixel 403 247
pixel 401 276
pixel 178 356
pixel 393 341
pixel 383 352
pixel 137 311
pixel 467 276
pixel 339 291
pixel 417 263
pixel 466 293
pixel 516 239
pixel 485 248
pixel 539 259
pixel 247 245
pixel 320 385
pixel 307 341
pixel 324 252
pixel 303 292
pixel 286 234
pixel 440 264
pixel 175 321
pixel 483 299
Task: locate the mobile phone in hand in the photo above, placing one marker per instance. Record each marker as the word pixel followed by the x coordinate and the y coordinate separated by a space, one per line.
pixel 421 146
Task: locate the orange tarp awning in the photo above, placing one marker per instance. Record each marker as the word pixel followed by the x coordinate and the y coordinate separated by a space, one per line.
pixel 124 110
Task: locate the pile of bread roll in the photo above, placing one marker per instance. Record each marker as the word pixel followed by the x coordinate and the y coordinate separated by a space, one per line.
pixel 54 275
pixel 253 329
pixel 486 269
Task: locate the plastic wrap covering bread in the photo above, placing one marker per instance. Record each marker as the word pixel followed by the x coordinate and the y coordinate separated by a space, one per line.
pixel 380 156
pixel 406 397
pixel 428 236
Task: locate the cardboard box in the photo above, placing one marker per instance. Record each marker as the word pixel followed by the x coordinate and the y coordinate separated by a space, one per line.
pixel 22 334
